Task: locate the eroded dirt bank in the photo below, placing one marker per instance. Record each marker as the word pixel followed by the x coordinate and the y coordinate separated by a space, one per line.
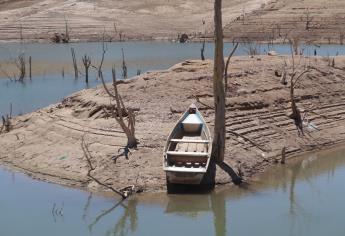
pixel 47 144
pixel 312 21
pixel 37 20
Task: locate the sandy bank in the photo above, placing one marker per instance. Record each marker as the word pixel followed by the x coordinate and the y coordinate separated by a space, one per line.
pixel 47 143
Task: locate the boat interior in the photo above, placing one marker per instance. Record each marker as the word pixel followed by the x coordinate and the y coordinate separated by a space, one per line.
pixel 189 145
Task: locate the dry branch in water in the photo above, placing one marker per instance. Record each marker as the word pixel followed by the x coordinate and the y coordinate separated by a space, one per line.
pixel 30 69
pixel 202 50
pixel 87 63
pixel 124 67
pixel 75 66
pixel 20 63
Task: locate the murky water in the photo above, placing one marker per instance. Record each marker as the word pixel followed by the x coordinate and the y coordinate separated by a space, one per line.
pixel 304 197
pixel 51 59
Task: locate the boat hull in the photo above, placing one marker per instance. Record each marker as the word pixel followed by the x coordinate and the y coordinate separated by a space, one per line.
pixel 184 177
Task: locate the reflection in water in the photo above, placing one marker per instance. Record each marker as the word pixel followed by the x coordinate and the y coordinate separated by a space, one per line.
pixel 129 219
pixel 127 223
pixel 219 213
pixel 300 198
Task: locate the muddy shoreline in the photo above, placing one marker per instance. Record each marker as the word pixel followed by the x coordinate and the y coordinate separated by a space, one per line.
pixel 46 144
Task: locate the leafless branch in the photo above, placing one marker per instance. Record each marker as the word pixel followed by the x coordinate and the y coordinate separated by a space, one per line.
pixel 88 157
pixel 227 65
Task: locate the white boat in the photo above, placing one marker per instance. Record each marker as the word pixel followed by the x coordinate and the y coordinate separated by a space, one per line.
pixel 188 150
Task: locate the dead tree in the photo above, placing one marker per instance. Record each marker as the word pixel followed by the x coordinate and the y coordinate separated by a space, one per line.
pixel 202 50
pixel 226 67
pixel 104 51
pixel 21 33
pixel 308 20
pixel 124 67
pixel 6 124
pixel 218 145
pixel 20 63
pixel 341 38
pixel 118 112
pixel 295 45
pixel 66 38
pixel 87 64
pixel 296 114
pixel 282 161
pixel 75 65
pixel 30 64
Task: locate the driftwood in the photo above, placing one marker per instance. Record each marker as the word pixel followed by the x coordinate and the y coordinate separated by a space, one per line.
pixel 124 193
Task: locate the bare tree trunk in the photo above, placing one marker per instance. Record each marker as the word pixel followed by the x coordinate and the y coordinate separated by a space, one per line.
pixel 30 67
pixel 296 114
pixel 124 67
pixel 20 63
pixel 87 63
pixel 226 67
pixel 202 50
pixel 75 66
pixel 218 145
pixel 118 114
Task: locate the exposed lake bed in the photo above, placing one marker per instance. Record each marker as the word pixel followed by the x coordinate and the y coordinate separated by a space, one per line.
pixel 257 107
pixel 90 90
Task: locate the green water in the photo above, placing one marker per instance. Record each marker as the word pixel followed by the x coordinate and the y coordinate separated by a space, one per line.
pixel 304 197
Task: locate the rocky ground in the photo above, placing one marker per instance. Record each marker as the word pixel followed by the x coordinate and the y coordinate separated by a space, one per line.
pixel 47 144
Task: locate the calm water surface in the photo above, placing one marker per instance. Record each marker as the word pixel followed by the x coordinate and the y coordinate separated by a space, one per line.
pixel 305 197
pixel 51 87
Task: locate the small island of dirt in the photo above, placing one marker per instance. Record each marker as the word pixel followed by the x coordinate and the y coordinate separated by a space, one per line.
pixel 46 144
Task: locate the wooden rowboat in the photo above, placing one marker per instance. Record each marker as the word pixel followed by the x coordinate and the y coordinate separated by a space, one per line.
pixel 188 149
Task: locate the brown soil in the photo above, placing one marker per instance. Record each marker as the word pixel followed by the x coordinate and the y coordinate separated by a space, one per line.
pixel 47 143
pixel 134 20
pixel 312 21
